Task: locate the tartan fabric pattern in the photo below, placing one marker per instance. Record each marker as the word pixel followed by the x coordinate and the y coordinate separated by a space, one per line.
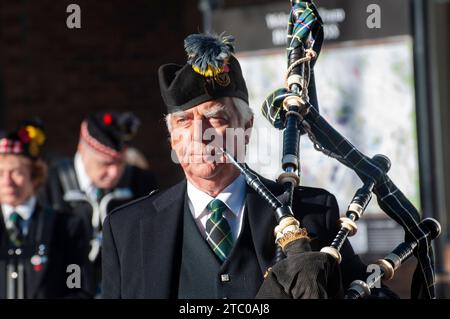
pixel 15 232
pixel 95 144
pixel 391 200
pixel 218 231
pixel 305 30
pixel 304 22
pixel 8 146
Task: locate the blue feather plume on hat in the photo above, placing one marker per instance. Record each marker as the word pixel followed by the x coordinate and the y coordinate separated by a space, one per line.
pixel 209 54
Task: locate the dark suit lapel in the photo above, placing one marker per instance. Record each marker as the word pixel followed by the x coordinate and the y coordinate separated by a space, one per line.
pixel 161 239
pixel 3 256
pixel 3 233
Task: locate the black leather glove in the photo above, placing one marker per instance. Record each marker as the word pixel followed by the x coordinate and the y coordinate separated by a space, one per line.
pixel 302 275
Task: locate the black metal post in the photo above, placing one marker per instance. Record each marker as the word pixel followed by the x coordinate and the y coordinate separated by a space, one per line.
pixel 429 140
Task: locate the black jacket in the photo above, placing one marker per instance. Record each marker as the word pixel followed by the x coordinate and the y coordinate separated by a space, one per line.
pixel 63 237
pixel 142 240
pixel 139 181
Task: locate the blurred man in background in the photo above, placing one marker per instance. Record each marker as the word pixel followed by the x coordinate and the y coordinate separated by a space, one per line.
pixel 37 244
pixel 98 178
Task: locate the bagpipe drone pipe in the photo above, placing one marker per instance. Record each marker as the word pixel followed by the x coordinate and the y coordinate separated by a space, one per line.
pixel 294 109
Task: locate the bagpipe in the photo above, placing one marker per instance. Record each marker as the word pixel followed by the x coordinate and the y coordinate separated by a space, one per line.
pixel 294 109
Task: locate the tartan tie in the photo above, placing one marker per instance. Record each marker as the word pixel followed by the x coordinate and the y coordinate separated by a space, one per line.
pixel 16 233
pixel 218 231
pixel 99 193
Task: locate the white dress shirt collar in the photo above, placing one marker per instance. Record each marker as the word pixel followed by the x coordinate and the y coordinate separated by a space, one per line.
pixel 25 210
pixel 84 181
pixel 233 196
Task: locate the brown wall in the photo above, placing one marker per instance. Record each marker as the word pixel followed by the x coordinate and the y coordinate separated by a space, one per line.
pixel 61 74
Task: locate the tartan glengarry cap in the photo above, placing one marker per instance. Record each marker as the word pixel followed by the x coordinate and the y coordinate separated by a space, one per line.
pixel 211 72
pixel 109 132
pixel 26 140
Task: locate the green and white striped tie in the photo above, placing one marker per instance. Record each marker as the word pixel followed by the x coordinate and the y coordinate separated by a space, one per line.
pixel 16 232
pixel 218 231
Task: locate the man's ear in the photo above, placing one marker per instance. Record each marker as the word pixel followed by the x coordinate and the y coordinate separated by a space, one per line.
pixel 35 182
pixel 248 130
pixel 80 147
pixel 84 151
pixel 249 123
pixel 174 137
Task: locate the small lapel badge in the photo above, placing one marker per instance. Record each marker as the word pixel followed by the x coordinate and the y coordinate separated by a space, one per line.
pixel 37 262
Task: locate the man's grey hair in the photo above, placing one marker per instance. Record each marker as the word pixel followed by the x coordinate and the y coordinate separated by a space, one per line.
pixel 245 113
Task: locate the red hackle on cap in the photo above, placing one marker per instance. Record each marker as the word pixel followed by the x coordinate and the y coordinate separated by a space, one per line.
pixel 107 119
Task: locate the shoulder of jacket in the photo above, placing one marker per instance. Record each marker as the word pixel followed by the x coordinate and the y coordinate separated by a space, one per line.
pixel 136 202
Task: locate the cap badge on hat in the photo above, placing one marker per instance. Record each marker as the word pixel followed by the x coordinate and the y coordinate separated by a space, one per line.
pixel 34 136
pixel 209 56
pixel 26 140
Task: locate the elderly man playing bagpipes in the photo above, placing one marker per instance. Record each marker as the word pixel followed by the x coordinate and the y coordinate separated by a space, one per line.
pixel 226 232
